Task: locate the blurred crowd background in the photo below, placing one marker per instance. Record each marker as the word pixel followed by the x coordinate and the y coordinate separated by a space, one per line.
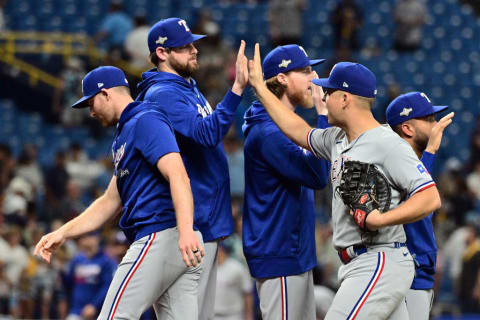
pixel 54 160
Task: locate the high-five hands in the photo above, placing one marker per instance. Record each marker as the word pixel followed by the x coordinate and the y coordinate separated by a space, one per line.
pixel 241 71
pixel 437 132
pixel 255 74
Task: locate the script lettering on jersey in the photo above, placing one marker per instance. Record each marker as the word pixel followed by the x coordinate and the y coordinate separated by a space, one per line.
pixel 337 166
pixel 122 173
pixel 204 111
pixel 119 155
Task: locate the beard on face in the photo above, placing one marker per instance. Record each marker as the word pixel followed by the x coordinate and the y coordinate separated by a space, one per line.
pixel 300 98
pixel 420 140
pixel 184 70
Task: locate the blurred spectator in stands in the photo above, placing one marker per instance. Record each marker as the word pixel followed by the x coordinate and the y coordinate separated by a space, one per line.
pixel 233 299
pixel 37 284
pixel 286 21
pixel 136 45
pixel 89 277
pixel 327 256
pixel 15 258
pixel 235 239
pixel 473 181
pixel 18 195
pixel 323 295
pixel 29 169
pixel 235 159
pixel 72 204
pixel 470 272
pixel 410 17
pixel 56 179
pixel 70 90
pixel 114 28
pixel 116 246
pixel 475 144
pixel 456 196
pixel 212 76
pixel 346 20
pixel 7 165
pixel 5 290
pixel 81 169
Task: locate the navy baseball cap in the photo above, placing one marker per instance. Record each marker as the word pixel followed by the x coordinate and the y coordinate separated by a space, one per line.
pixel 104 77
pixel 171 33
pixel 350 77
pixel 410 105
pixel 285 58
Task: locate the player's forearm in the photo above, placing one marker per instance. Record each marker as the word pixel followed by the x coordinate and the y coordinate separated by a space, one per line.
pixel 182 200
pixel 237 88
pixel 294 127
pixel 417 207
pixel 95 216
pixel 248 304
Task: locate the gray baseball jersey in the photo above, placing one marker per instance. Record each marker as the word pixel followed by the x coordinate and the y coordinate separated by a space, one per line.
pixel 392 156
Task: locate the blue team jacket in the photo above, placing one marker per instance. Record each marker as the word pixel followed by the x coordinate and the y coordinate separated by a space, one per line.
pixel 279 216
pixel 199 132
pixel 142 137
pixel 88 280
pixel 421 242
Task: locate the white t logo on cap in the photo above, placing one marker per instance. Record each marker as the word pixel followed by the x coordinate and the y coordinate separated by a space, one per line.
pixel 184 24
pixel 425 96
pixel 100 84
pixel 345 85
pixel 406 111
pixel 285 63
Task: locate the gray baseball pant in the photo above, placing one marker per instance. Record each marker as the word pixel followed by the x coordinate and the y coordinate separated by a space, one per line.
pixel 374 285
pixel 419 304
pixel 289 297
pixel 208 282
pixel 151 269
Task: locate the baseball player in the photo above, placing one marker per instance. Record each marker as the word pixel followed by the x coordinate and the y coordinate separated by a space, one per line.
pixel 152 186
pixel 89 275
pixel 199 131
pixel 279 214
pixel 412 117
pixel 378 269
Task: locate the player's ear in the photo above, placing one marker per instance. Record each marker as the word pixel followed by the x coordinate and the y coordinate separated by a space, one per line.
pixel 104 93
pixel 345 99
pixel 407 129
pixel 282 79
pixel 161 53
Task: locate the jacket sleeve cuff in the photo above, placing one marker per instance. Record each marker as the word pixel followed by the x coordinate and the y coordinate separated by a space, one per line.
pixel 428 160
pixel 322 121
pixel 231 101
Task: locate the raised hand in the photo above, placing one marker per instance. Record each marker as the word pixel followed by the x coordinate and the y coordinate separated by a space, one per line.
pixel 437 133
pixel 255 75
pixel 317 96
pixel 241 71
